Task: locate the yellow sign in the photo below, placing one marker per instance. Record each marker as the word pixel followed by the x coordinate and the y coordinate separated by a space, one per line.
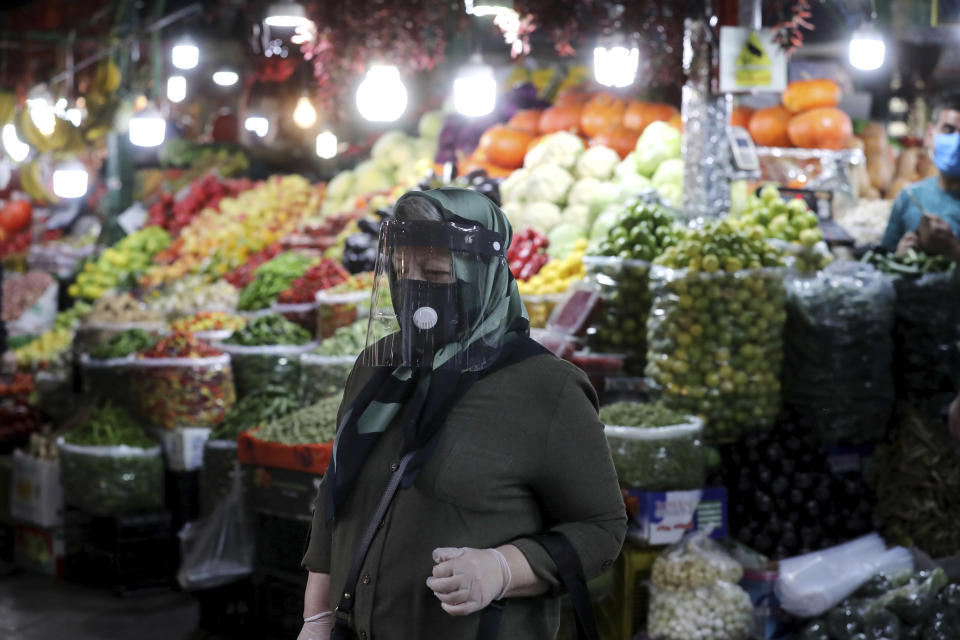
pixel 753 64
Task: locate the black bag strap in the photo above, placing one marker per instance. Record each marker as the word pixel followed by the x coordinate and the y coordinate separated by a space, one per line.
pixel 563 554
pixel 345 605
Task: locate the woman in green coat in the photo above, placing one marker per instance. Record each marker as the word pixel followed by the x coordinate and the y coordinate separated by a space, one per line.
pixel 480 439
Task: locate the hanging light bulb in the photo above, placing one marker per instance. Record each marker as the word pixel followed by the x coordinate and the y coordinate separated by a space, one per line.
pixel 15 148
pixel 185 54
pixel 482 8
pixel 867 48
pixel 286 15
pixel 381 97
pixel 258 125
pixel 40 107
pixel 326 144
pixel 176 88
pixel 225 77
pixel 75 116
pixel 475 89
pixel 70 180
pixel 148 128
pixel 615 66
pixel 304 114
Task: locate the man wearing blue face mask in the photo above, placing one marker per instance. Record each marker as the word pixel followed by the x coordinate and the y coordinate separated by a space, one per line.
pixel 926 214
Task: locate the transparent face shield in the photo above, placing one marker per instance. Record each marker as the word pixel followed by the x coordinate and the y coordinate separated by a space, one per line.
pixel 432 304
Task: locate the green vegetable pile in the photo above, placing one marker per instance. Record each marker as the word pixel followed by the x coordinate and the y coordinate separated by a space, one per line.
pixel 123 344
pixel 345 341
pixel 715 329
pixel 109 481
pixel 926 359
pixel 273 329
pixel 639 233
pixel 256 409
pixel 315 424
pixel 838 348
pixel 918 607
pixel 918 485
pixel 661 450
pixel 271 278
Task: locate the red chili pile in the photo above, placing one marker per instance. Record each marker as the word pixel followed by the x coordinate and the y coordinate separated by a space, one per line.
pixel 180 345
pixel 323 275
pixel 526 255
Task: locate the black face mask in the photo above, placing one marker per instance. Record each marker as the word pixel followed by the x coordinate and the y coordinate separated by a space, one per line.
pixel 429 317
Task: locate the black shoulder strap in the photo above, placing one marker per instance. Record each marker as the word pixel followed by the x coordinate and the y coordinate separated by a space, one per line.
pixel 563 554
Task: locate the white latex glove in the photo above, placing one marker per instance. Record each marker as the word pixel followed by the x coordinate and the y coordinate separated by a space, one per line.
pixel 317 629
pixel 466 580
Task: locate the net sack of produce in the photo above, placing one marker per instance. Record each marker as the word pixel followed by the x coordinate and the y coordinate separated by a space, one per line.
pixel 838 348
pixel 694 593
pixel 323 376
pixel 91 335
pixel 620 325
pixel 540 306
pixel 257 367
pixel 335 310
pixel 54 389
pixel 716 346
pixel 107 379
pixel 653 448
pixel 182 392
pixel 303 314
pixel 926 360
pixel 218 549
pixel 107 480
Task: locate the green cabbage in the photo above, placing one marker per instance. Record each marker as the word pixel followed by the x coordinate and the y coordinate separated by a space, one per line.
pixel 658 142
pixel 562 238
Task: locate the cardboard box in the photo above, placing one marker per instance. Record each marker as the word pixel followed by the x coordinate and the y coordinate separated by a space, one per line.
pixel 38 549
pixel 663 517
pixel 35 493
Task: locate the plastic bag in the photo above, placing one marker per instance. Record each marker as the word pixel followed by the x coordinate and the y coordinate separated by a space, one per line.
pixel 106 379
pixel 838 348
pixel 182 392
pixel 219 457
pixel 716 346
pixel 621 325
pixel 335 310
pixel 812 583
pixel 926 359
pixel 659 458
pixel 323 376
pixel 218 549
pixel 695 561
pixel 695 593
pixel 111 480
pixel 256 368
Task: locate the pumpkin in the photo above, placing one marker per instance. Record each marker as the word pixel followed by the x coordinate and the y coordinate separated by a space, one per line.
pixel 572 97
pixel 504 146
pixel 741 117
pixel 477 161
pixel 561 118
pixel 823 128
pixel 768 127
pixel 639 114
pixel 526 120
pixel 618 138
pixel 804 95
pixel 602 112
pixel 676 122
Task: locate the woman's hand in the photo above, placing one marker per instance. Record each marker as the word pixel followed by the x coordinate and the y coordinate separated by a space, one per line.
pixel 907 242
pixel 317 618
pixel 317 629
pixel 466 580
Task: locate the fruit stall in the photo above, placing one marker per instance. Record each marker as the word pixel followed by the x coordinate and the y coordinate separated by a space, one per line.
pixel 188 237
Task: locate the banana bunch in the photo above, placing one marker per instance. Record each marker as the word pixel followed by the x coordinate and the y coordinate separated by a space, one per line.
pixel 65 136
pixel 32 182
pixel 102 104
pixel 548 81
pixel 8 106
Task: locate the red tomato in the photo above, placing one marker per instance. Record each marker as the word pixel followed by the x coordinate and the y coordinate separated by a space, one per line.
pixel 16 215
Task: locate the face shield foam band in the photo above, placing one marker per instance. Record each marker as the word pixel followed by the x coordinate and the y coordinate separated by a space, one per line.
pixel 455 235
